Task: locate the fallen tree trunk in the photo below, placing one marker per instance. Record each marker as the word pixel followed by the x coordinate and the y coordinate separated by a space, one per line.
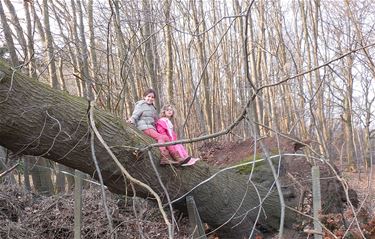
pixel 37 120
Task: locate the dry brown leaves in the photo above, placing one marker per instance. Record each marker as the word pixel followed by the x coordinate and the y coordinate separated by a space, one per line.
pixel 24 215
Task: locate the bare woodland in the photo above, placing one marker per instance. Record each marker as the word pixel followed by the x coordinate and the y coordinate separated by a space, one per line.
pixel 71 72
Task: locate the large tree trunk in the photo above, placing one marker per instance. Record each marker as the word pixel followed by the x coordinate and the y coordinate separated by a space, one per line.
pixel 37 120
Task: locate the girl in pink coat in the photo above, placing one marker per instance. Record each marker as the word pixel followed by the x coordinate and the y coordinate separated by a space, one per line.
pixel 164 126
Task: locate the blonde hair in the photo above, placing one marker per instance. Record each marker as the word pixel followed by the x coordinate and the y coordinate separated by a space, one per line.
pixel 164 108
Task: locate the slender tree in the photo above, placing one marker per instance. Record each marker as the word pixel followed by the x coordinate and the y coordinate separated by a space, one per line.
pixel 8 37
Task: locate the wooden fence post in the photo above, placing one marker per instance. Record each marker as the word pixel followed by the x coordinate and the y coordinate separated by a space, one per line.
pixel 196 225
pixel 77 204
pixel 317 203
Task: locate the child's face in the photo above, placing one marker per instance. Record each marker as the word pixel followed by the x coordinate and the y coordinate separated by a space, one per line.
pixel 169 112
pixel 150 98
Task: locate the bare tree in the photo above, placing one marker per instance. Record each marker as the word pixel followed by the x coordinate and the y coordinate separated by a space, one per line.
pixel 200 26
pixel 8 37
pixel 50 55
pixel 168 51
pixel 17 26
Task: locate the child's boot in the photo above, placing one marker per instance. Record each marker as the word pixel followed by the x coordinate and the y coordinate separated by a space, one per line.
pixel 192 161
pixel 176 156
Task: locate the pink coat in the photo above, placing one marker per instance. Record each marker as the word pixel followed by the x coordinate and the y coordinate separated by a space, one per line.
pixel 164 126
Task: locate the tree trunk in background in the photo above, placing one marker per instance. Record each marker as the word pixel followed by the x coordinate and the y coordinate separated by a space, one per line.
pixel 37 23
pixel 251 77
pixel 122 105
pixel 256 58
pixel 17 27
pixel 310 82
pixel 49 48
pixel 169 53
pixel 8 37
pixel 320 109
pixel 347 115
pixel 81 86
pixel 367 139
pixel 239 80
pixel 85 76
pixel 298 64
pixel 149 47
pixel 201 27
pixel 94 69
pixel 264 106
pixel 227 194
pixel 30 41
pixel 227 91
pixel 285 92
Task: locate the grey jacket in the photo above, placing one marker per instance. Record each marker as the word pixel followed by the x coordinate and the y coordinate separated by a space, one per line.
pixel 144 115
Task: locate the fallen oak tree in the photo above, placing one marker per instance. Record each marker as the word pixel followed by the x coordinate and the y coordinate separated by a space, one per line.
pixel 38 120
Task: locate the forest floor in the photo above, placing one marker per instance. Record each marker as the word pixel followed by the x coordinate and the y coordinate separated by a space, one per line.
pixel 364 185
pixel 26 215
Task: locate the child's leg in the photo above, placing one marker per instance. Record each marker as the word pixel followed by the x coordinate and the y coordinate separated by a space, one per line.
pixel 184 154
pixel 181 150
pixel 161 138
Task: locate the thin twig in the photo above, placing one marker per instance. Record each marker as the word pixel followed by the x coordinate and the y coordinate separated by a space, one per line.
pixel 54 138
pixel 276 179
pixel 9 170
pixel 93 155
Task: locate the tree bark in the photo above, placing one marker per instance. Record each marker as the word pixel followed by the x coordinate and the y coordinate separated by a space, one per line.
pixel 38 120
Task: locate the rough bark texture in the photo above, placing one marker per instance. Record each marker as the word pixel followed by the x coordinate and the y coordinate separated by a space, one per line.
pixel 37 120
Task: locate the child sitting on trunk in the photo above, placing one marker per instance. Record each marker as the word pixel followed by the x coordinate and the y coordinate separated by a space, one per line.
pixel 164 126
